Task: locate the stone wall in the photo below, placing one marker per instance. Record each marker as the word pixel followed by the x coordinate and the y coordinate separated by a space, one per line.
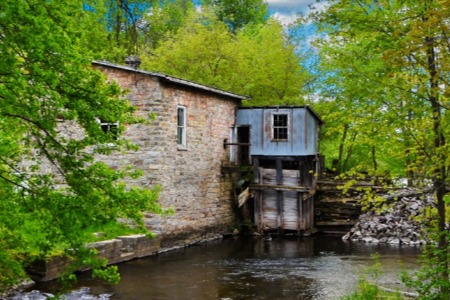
pixel 120 249
pixel 191 178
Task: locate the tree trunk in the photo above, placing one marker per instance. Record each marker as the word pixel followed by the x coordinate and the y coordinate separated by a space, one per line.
pixel 439 175
pixel 341 149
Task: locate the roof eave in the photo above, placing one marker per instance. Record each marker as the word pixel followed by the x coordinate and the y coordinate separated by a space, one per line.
pixel 173 80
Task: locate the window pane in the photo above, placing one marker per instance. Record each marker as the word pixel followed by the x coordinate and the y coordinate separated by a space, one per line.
pixel 180 136
pixel 280 127
pixel 181 130
pixel 180 116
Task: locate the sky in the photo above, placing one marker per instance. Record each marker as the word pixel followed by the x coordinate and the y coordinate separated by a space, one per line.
pixel 287 10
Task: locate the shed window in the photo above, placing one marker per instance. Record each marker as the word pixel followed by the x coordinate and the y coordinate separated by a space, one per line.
pixel 181 130
pixel 280 127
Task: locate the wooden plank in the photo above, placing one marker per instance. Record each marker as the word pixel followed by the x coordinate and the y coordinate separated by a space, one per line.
pixel 243 197
pixel 282 177
pixel 268 176
pixel 291 178
pixel 269 209
pixel 280 188
pixel 290 210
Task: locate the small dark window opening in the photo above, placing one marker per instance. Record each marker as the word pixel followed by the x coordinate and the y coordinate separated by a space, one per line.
pixel 280 127
pixel 243 137
pixel 110 128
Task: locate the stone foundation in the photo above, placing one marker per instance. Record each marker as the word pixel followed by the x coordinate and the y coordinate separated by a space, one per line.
pixel 117 250
pixel 125 248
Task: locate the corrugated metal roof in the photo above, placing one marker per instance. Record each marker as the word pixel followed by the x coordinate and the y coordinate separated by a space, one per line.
pixel 173 79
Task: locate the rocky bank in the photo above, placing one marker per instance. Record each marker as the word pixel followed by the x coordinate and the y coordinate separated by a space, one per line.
pixel 396 223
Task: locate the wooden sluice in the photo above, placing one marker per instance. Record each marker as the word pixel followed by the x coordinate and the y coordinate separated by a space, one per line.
pixel 282 203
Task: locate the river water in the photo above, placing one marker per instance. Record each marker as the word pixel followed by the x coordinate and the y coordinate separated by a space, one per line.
pixel 320 267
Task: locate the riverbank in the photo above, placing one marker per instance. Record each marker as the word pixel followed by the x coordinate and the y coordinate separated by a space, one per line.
pixel 398 221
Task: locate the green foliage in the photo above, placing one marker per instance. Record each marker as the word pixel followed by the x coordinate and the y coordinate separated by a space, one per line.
pixel 428 281
pixel 258 61
pixel 166 18
pixel 52 188
pixel 238 14
pixel 385 67
pixel 369 78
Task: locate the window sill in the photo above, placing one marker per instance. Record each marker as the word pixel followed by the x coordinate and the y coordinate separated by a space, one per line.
pixel 182 148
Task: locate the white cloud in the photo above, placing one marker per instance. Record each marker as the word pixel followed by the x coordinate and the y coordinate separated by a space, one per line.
pixel 289 6
pixel 287 11
pixel 285 19
pixel 322 6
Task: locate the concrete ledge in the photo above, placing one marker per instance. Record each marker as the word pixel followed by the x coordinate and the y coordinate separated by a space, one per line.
pixel 125 248
pixel 120 249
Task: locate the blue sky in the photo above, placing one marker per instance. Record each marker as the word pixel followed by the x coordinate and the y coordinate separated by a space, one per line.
pixel 289 6
pixel 287 10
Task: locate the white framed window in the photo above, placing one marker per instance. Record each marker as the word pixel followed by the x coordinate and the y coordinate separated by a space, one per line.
pixel 280 127
pixel 181 126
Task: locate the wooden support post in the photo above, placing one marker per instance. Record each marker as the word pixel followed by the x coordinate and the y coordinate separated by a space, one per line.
pixel 307 213
pixel 256 212
pixel 279 165
pixel 280 218
pixel 301 213
pixel 299 216
pixel 256 170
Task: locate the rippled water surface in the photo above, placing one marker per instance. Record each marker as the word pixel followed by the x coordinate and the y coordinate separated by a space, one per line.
pixel 321 267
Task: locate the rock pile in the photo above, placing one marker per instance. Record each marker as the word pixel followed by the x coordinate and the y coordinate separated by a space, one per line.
pixel 394 225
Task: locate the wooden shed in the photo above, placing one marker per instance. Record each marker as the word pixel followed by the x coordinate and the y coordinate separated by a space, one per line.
pixel 281 144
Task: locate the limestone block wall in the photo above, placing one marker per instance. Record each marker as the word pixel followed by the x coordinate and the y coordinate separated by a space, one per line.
pixel 120 249
pixel 191 178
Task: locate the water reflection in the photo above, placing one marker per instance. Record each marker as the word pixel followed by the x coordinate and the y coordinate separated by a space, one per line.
pixel 321 267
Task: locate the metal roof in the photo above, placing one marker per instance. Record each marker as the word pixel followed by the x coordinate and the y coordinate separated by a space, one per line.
pixel 173 80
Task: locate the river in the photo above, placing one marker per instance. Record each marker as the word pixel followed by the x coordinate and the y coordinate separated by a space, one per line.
pixel 320 267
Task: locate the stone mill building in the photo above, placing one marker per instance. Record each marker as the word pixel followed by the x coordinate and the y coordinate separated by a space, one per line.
pixel 197 133
pixel 181 149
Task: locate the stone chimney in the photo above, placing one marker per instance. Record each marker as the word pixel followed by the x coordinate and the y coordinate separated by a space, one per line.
pixel 133 61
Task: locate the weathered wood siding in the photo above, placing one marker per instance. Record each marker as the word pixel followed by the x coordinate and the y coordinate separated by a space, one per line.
pixel 303 130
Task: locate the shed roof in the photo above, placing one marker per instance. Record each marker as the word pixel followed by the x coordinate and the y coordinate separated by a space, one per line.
pixel 173 80
pixel 307 107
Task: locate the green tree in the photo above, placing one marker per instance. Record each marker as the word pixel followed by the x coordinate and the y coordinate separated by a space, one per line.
pixel 258 61
pixel 390 59
pixel 239 13
pixel 45 77
pixel 165 18
pixel 123 21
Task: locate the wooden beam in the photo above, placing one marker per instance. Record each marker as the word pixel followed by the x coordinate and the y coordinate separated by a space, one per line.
pixel 281 188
